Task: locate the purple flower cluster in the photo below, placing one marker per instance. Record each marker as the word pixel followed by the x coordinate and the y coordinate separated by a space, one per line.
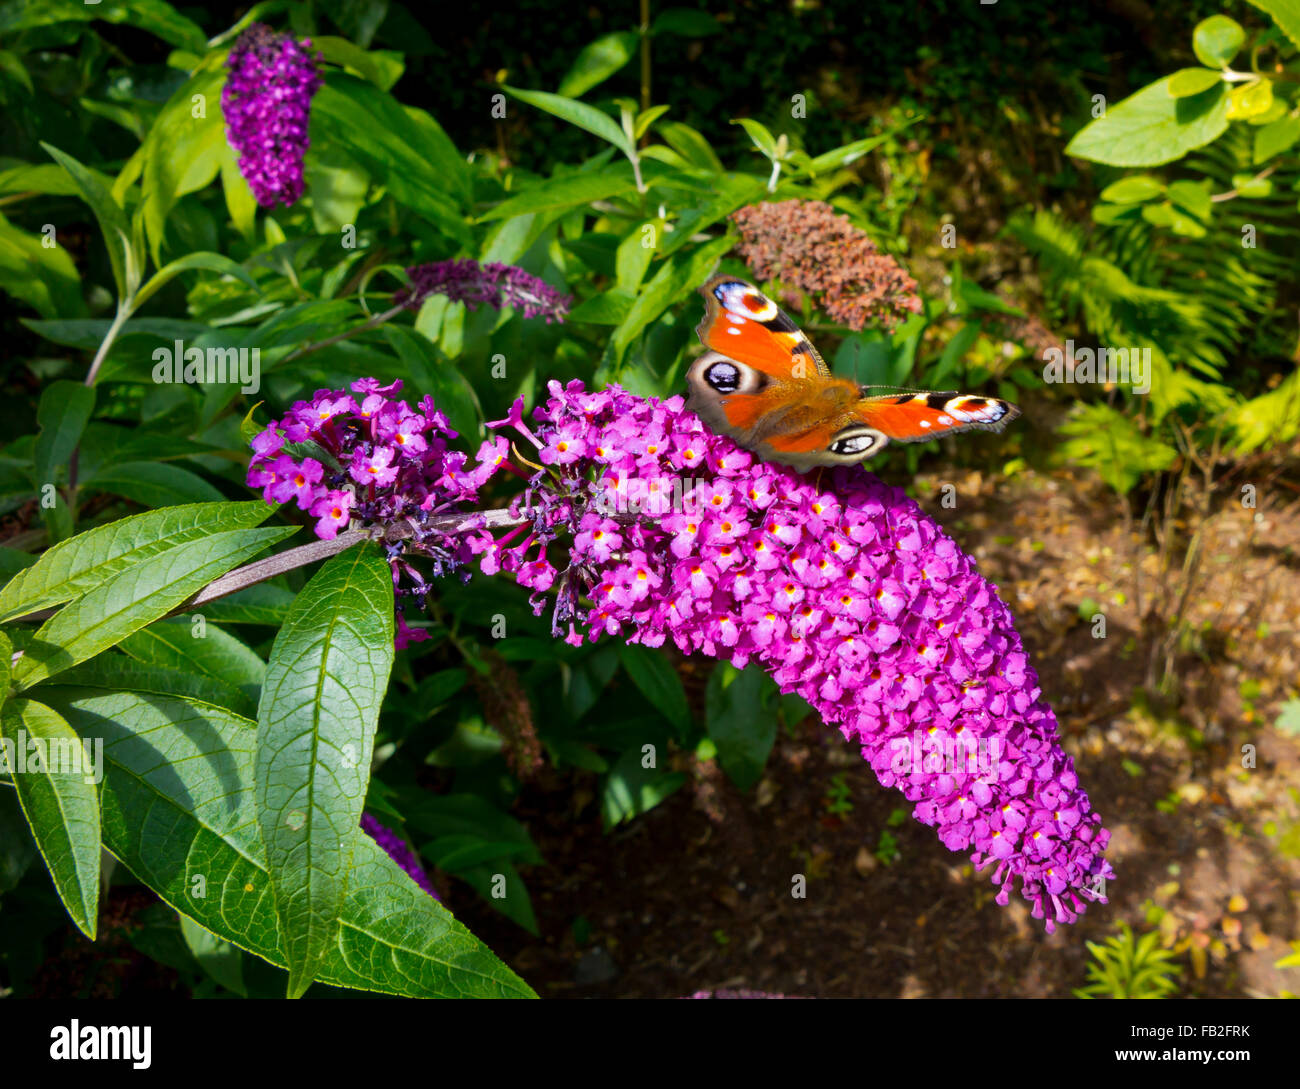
pixel 396 849
pixel 498 285
pixel 837 585
pixel 377 461
pixel 841 588
pixel 266 102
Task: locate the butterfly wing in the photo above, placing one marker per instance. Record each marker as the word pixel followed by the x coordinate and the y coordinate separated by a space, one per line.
pixel 765 385
pixel 744 324
pixel 801 422
pixel 919 417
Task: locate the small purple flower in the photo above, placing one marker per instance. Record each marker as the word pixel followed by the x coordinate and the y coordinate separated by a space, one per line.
pixel 498 285
pixel 396 849
pixel 266 102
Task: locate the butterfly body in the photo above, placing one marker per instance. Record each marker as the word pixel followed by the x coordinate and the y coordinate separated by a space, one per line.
pixel 764 384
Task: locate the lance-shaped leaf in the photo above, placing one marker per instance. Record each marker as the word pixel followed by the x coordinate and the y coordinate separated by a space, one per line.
pixel 136 597
pixel 315 733
pixel 126 258
pixel 205 651
pixel 62 416
pixel 73 567
pixel 57 790
pixel 119 673
pixel 179 811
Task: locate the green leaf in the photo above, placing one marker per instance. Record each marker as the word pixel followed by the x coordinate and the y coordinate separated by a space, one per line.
pixel 688 22
pixel 577 113
pixel 240 202
pixel 60 801
pixel 598 61
pixel 13 561
pixel 632 789
pixel 659 683
pixel 848 153
pixel 633 258
pixel 1286 14
pixel 11 64
pixel 676 278
pixel 1192 81
pixel 568 191
pixel 119 673
pixel 444 816
pixel 759 134
pixel 214 262
pixel 155 16
pixel 691 146
pixel 62 416
pixel 454 395
pixel 1252 185
pixel 382 67
pixel 727 193
pixel 589 679
pixel 127 262
pixel 646 118
pixel 179 811
pixel 1152 127
pixel 338 186
pixel 182 153
pixel 502 887
pixel 263 603
pixel 90 559
pixel 42 276
pixel 6 665
pixel 608 308
pixel 1250 100
pixel 316 722
pixel 1133 189
pixel 136 596
pixel 1216 40
pixel 17 848
pixel 1192 197
pixel 87 334
pixel 1288 719
pixel 221 960
pixel 153 484
pixel 403 149
pixel 45 178
pixel 204 651
pixel 1275 137
pixel 740 723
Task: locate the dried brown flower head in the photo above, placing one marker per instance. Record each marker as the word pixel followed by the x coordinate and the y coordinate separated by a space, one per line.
pixel 809 246
pixel 506 708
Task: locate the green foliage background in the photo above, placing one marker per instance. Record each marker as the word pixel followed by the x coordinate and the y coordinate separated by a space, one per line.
pixel 917 115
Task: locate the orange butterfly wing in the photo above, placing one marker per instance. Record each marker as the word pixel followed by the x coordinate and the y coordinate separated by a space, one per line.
pixel 919 417
pixel 765 385
pixel 744 324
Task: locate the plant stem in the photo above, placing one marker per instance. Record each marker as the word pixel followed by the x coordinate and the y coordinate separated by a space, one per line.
pixel 260 570
pixel 1231 194
pixel 645 54
pixel 375 320
pixel 124 309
